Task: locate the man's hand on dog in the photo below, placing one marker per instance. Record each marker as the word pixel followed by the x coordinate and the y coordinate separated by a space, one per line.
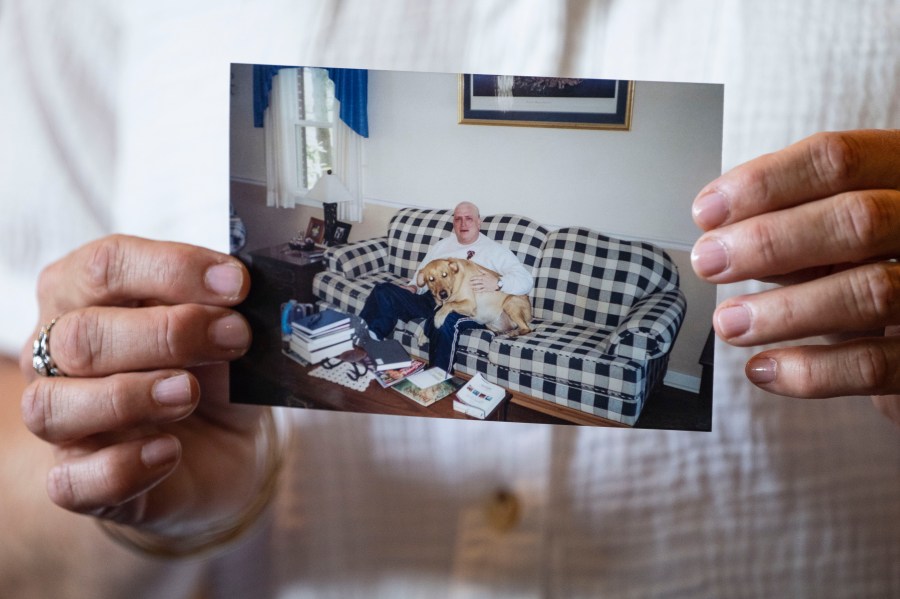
pixel 484 281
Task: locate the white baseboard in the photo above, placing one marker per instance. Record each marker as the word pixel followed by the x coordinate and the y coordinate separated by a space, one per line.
pixel 682 381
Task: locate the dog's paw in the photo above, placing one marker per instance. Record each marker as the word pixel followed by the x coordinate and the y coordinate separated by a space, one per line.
pixel 516 332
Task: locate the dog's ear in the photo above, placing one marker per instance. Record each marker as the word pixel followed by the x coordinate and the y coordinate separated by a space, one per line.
pixel 420 279
pixel 453 264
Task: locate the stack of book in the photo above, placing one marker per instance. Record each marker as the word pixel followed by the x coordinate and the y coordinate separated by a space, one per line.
pixel 478 398
pixel 321 336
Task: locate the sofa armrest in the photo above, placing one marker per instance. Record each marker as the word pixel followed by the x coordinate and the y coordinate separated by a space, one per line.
pixel 353 260
pixel 650 328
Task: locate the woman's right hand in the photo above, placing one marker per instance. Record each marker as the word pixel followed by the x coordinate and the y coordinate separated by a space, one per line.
pixel 141 426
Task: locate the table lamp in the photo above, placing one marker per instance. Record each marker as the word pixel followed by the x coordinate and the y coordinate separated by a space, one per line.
pixel 329 191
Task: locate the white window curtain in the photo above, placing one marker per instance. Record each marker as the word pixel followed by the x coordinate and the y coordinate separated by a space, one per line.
pixel 348 149
pixel 284 189
pixel 282 182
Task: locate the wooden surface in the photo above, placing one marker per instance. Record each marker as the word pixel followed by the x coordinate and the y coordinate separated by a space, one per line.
pixel 560 412
pixel 269 377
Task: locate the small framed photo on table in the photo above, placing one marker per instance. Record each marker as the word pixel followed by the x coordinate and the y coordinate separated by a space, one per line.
pixel 341 233
pixel 315 230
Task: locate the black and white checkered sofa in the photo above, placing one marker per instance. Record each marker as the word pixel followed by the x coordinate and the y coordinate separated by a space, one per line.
pixel 606 312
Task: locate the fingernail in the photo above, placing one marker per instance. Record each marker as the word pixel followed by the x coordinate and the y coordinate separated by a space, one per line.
pixel 174 391
pixel 710 210
pixel 230 332
pixel 761 371
pixel 733 321
pixel 709 257
pixel 159 452
pixel 225 280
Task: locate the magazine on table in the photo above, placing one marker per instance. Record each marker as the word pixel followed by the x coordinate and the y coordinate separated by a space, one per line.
pixel 428 386
pixel 389 378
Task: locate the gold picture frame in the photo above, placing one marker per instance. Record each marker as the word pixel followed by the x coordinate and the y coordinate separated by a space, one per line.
pixel 568 103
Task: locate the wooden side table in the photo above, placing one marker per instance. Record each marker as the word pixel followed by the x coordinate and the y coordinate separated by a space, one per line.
pixel 277 275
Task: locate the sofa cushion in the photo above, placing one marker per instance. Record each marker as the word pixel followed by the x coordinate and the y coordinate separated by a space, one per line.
pixel 564 351
pixel 521 235
pixel 586 277
pixel 621 388
pixel 651 328
pixel 411 234
pixel 357 259
pixel 349 295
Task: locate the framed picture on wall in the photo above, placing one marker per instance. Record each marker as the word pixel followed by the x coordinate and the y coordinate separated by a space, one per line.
pixel 315 230
pixel 545 102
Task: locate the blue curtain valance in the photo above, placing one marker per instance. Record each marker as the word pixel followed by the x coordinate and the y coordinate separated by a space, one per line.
pixel 262 86
pixel 351 88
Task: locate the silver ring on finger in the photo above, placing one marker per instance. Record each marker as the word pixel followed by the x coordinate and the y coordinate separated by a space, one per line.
pixel 41 359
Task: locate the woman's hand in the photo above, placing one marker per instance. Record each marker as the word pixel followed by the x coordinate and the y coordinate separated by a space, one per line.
pixel 141 425
pixel 821 218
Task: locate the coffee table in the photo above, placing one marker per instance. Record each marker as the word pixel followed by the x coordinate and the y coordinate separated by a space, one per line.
pixel 266 376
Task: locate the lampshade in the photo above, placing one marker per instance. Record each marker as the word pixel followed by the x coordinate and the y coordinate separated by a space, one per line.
pixel 329 189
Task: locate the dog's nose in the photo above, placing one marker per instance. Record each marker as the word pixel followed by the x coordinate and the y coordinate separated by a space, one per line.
pixel 443 294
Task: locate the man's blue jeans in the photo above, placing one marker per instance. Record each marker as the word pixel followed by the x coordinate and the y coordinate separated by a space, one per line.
pixel 389 303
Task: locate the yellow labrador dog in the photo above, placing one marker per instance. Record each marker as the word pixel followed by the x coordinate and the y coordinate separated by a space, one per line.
pixel 448 280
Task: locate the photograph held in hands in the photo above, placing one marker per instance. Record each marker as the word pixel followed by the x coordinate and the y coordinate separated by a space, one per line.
pixel 567 200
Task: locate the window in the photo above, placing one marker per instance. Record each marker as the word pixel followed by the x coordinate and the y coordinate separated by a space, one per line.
pixel 300 133
pixel 314 129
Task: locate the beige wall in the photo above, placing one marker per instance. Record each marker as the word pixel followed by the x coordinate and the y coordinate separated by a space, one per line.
pixel 627 184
